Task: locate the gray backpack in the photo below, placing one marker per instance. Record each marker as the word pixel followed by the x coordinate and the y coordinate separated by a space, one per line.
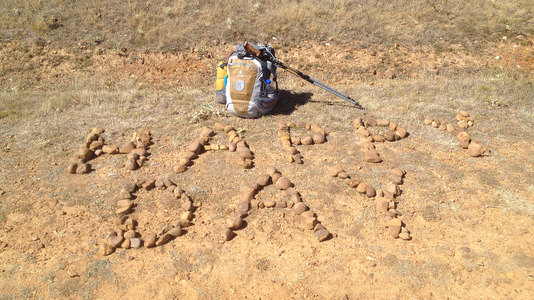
pixel 251 86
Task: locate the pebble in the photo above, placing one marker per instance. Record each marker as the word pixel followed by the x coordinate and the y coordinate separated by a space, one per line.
pixel 353 183
pixel 281 204
pixel 127 148
pixel 392 126
pixel 179 168
pixel 125 244
pixel 72 168
pixel 295 140
pixel 271 171
pixel 85 154
pixel 243 206
pixel 234 223
pixel 150 240
pixel 135 243
pixel 361 188
pixel 476 150
pixel 297 158
pixel 464 113
pixel 131 164
pixel 397 172
pixel 307 140
pixel 370 192
pixel 393 189
pixel 372 157
pixel 299 208
pixel 195 146
pixel 370 122
pixel 335 170
pixel 395 179
pixel 124 194
pixel 115 241
pixel 129 234
pixel 228 235
pixel 269 203
pixel 343 175
pixel 382 204
pixel 176 231
pixel 95 145
pixel 310 222
pixel 186 215
pixel 379 138
pixel 283 183
pixel 318 138
pixel 401 132
pixel 163 239
pixel 321 234
pixel 97 130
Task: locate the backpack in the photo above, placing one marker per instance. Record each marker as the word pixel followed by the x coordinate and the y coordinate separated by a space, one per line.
pixel 251 87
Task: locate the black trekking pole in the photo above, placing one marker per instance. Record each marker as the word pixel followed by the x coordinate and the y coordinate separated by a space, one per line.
pixel 268 56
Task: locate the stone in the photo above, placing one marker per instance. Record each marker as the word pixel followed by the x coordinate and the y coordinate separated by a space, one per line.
pixel 357 123
pixel 271 171
pixel 321 234
pixel 476 150
pixel 379 139
pixel 393 189
pixel 370 122
pixel 443 127
pixel 243 206
pixel 464 113
pixel 194 146
pixel 343 175
pixel 382 123
pixel 115 241
pixel 244 153
pixel 297 158
pixel 228 234
pixel 186 215
pixel 219 126
pixel 307 140
pixel 318 138
pixel 187 206
pixel 131 164
pixel 85 154
pixel 405 236
pixel 275 177
pixel 390 74
pixel 232 147
pixel 107 249
pixel 295 198
pixel 176 231
pixel 401 132
pixel 310 222
pixel 382 204
pixel 135 243
pixel 317 128
pixel 281 204
pixel 361 188
pixel 283 183
pixel 353 183
pixel 129 234
pixel 335 170
pixel 299 208
pixel 179 168
pixel 428 121
pixel 83 168
pixel 372 157
pixel 72 168
pixel 295 140
pixel 97 130
pixel 389 136
pixel 96 145
pixel 394 231
pixel 269 203
pixel 308 214
pixel 163 239
pixel 392 126
pixel 395 179
pixel 370 192
pixel 450 128
pixel 124 203
pixel 127 148
pixel 397 172
pixel 124 194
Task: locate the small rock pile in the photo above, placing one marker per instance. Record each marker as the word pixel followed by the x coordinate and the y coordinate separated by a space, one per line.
pixel 391 133
pixel 386 201
pixel 248 201
pixel 95 146
pixel 464 121
pixel 315 134
pixel 125 235
pixel 202 144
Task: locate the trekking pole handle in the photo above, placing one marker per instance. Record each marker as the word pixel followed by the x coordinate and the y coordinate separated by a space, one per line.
pixel 251 50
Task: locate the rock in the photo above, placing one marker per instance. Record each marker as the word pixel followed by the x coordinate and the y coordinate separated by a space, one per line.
pixel 115 241
pixel 299 208
pixel 281 204
pixel 127 148
pixel 450 128
pixel 389 136
pixel 397 172
pixel 382 204
pixel 357 123
pixel 382 123
pixel 275 177
pixel 187 215
pixel 107 249
pixel 370 192
pixel 297 158
pixel 307 140
pixel 308 214
pixel 124 203
pixel 135 243
pixel 194 146
pixel 428 121
pixel 72 168
pixel 83 168
pixel 139 151
pixel 243 206
pixel 317 128
pixel 164 239
pixel 318 138
pixel 293 150
pixel 405 236
pixel 310 222
pixel 464 113
pixel 392 126
pixel 129 234
pixel 271 171
pixel 283 183
pixel 228 235
pixel 269 203
pixel 343 175
pixel 187 206
pixel 395 179
pixel 124 194
pixel 372 157
pixel 85 154
pixel 476 150
pixel 335 170
pixel 176 231
pixel 401 132
pixel 97 130
pixel 295 140
pixel 244 153
pixel 96 145
pixel 219 126
pixel 353 183
pixel 379 139
pixel 130 187
pixel 394 231
pixel 321 234
pixel 207 132
pixel 131 164
pixel 133 155
pixel 182 223
pixel 443 127
pixel 465 143
pixel 393 189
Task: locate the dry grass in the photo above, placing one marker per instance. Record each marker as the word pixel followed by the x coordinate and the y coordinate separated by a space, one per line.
pixel 174 25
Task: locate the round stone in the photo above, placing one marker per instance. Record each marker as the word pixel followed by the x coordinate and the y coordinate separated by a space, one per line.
pixel 283 183
pixel 299 208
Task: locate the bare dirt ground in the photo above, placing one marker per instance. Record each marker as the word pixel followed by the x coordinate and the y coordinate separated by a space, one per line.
pixel 470 219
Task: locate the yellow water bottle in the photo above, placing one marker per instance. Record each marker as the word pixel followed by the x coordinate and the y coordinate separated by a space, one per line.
pixel 220 83
pixel 221 73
